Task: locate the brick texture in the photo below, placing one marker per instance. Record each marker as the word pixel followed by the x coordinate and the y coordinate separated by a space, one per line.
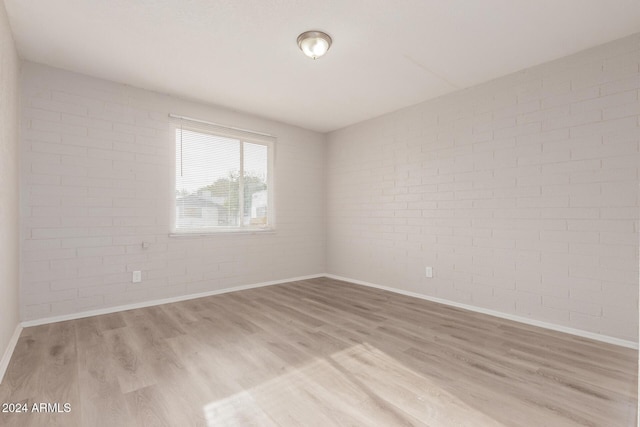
pixel 97 160
pixel 521 193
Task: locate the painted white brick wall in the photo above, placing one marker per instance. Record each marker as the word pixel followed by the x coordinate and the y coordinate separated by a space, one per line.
pixel 9 148
pixel 97 163
pixel 522 193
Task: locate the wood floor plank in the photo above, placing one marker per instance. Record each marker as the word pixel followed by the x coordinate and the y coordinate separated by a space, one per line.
pixel 127 366
pixel 238 410
pixel 149 408
pixel 26 366
pixel 60 376
pixel 111 321
pixel 102 402
pixel 316 352
pixel 204 380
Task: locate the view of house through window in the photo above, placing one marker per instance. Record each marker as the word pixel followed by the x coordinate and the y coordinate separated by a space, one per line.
pixel 221 183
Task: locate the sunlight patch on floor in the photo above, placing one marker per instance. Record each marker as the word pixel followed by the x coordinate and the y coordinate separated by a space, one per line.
pixel 360 385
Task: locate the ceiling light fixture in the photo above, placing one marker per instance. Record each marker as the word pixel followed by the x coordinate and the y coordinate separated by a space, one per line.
pixel 314 44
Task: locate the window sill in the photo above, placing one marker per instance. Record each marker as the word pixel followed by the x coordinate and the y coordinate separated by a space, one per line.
pixel 199 234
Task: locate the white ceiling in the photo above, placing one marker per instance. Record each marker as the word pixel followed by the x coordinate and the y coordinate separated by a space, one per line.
pixel 242 54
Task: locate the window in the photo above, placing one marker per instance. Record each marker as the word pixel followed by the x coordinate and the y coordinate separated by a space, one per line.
pixel 223 181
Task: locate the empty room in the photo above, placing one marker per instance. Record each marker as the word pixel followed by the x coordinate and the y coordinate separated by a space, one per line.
pixel 319 213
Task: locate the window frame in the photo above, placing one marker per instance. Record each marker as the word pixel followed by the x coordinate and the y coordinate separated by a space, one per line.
pixel 242 136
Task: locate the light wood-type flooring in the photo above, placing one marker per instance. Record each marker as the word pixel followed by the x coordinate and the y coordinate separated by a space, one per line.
pixel 315 353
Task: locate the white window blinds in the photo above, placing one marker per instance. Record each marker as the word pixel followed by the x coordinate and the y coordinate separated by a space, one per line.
pixel 223 179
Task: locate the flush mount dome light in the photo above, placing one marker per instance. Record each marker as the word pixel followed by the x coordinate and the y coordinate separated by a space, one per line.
pixel 314 44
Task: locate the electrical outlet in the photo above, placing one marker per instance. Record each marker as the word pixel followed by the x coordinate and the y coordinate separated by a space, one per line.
pixel 137 277
pixel 428 272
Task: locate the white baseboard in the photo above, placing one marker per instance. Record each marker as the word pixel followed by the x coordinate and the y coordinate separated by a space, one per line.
pixel 6 358
pixel 525 320
pixel 143 304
